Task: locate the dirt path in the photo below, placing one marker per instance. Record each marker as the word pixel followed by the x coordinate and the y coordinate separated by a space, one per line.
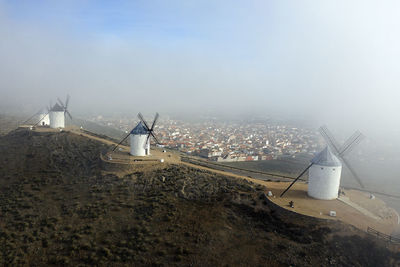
pixel 364 211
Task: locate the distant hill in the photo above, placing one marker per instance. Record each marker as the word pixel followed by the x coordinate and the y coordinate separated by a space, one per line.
pixel 57 208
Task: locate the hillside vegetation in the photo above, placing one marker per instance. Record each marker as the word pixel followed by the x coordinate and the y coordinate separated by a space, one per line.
pixel 57 208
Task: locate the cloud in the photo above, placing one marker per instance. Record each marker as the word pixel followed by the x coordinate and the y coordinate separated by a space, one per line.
pixel 330 61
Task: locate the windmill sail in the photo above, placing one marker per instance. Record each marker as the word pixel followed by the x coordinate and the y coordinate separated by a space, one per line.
pixel 340 152
pixel 140 136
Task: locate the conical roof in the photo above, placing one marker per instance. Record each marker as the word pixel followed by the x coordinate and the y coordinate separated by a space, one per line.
pixel 57 107
pixel 140 129
pixel 326 158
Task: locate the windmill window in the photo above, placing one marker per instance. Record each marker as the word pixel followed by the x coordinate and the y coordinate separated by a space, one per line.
pixel 322 168
pixel 333 169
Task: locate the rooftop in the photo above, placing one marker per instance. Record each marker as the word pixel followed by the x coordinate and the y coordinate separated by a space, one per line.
pixel 326 158
pixel 140 129
pixel 57 108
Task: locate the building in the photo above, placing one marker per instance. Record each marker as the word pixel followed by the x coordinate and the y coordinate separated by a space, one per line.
pixel 324 175
pixel 57 117
pixel 140 145
pixel 44 118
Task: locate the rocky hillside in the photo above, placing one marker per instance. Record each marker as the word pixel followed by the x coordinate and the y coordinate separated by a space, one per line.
pixel 58 209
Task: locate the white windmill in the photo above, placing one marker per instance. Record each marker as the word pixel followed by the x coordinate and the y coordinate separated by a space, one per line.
pixel 44 118
pixel 325 168
pixel 139 144
pixel 57 114
pixel 324 175
pixel 140 137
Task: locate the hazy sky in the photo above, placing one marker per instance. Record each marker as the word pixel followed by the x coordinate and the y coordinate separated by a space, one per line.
pixel 334 60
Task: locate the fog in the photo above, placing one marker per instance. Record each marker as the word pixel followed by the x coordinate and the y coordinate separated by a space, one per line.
pixel 331 62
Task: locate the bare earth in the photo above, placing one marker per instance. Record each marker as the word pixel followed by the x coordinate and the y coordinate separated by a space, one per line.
pixel 379 216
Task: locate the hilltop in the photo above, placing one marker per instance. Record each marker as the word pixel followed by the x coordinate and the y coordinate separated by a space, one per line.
pixel 59 208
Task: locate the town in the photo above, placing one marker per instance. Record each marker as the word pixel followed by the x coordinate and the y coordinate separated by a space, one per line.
pixel 229 141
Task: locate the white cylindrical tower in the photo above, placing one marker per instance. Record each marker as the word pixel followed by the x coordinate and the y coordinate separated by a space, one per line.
pixel 324 176
pixel 44 119
pixel 57 117
pixel 138 136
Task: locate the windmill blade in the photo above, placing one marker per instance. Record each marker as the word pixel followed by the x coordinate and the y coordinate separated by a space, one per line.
pixel 29 118
pixel 41 119
pixel 67 101
pixel 154 121
pixel 298 177
pixel 348 146
pixel 349 140
pixel 148 137
pixel 69 115
pixel 142 119
pixel 329 138
pixel 32 116
pixel 61 103
pixel 121 141
pixel 346 163
pixel 350 143
pixel 155 138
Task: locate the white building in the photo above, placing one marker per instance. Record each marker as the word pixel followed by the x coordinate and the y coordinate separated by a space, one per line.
pixel 139 144
pixel 57 117
pixel 44 118
pixel 324 175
